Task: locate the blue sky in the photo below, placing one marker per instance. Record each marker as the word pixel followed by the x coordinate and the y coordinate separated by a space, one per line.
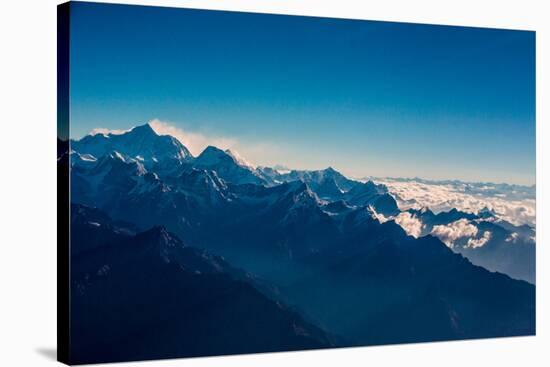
pixel 367 98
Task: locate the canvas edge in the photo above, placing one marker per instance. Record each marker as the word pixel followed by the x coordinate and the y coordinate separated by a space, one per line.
pixel 63 184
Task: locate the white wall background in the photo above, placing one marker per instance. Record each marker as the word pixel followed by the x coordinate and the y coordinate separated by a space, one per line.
pixel 28 182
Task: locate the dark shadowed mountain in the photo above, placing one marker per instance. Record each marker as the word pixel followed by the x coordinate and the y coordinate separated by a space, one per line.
pixel 148 296
pixel 92 228
pixel 390 288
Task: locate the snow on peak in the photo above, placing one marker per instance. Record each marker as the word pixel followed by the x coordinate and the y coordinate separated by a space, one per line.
pixel 378 216
pixel 140 142
pixel 118 155
pixel 107 132
pixel 211 156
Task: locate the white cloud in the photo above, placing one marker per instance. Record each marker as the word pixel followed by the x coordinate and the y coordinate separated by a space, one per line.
pixel 478 242
pixel 451 232
pixel 411 224
pixel 240 159
pixel 196 142
pixel 508 205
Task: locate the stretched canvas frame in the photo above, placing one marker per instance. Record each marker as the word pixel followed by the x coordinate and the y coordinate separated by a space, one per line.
pixel 251 258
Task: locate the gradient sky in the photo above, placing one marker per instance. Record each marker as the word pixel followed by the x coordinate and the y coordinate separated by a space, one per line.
pixel 367 98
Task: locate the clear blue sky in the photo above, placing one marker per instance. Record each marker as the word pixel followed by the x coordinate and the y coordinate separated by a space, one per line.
pixel 368 98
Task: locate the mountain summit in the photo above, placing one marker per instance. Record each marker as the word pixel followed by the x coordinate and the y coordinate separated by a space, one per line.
pixel 227 165
pixel 141 143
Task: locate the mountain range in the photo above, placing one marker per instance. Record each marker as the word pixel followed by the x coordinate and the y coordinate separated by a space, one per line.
pixel 319 259
pixel 146 295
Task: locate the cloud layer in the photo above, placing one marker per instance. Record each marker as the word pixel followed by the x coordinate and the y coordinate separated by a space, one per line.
pixel 515 204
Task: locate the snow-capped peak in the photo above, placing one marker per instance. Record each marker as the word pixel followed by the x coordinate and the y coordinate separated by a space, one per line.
pixel 145 129
pixel 140 142
pixel 107 132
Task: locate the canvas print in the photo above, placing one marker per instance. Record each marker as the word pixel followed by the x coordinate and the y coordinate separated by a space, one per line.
pixel 244 183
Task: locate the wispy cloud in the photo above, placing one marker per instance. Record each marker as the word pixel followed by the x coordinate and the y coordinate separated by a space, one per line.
pixel 248 153
pixel 196 142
